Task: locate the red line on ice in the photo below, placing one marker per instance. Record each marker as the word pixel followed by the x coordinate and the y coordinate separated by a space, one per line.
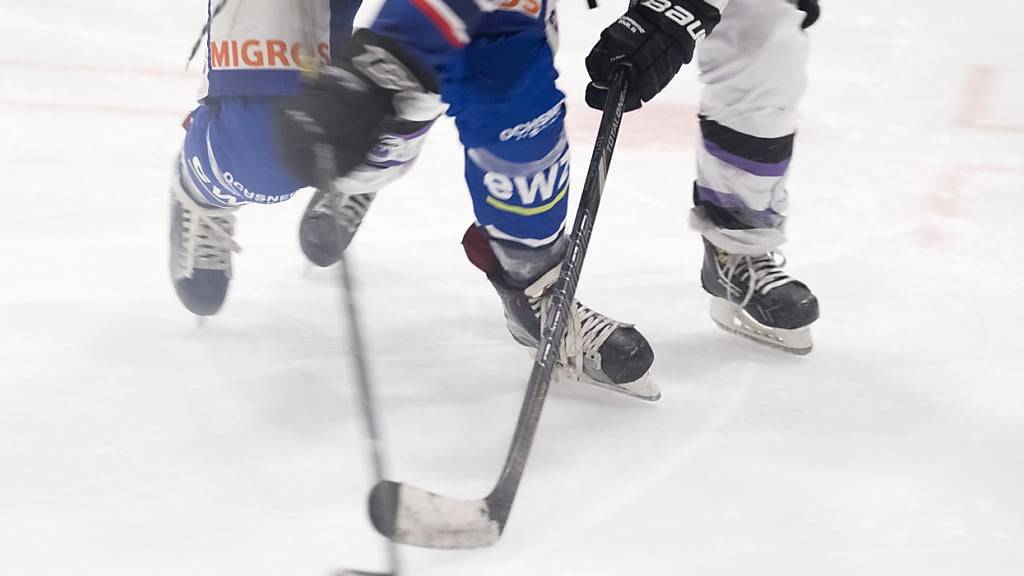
pixel 977 98
pixel 81 67
pixel 947 201
pixel 668 128
pixel 90 107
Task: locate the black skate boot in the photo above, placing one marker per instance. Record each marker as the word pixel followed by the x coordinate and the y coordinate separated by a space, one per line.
pixel 201 247
pixel 596 350
pixel 753 297
pixel 329 224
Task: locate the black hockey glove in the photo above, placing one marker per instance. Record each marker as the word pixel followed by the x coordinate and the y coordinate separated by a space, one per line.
pixel 654 38
pixel 813 12
pixel 347 106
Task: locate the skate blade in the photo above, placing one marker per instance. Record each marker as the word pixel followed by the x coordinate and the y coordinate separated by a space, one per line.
pixel 644 388
pixel 733 319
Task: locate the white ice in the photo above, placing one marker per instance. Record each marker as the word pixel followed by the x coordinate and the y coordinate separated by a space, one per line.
pixel 133 442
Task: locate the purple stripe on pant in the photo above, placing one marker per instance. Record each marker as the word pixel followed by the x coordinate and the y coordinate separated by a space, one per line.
pixel 777 169
pixel 734 205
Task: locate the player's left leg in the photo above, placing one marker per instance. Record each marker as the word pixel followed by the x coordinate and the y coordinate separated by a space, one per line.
pixel 510 117
pixel 332 217
pixel 753 65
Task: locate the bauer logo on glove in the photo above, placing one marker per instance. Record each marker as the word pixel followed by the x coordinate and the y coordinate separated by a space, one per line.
pixel 652 40
pixel 680 16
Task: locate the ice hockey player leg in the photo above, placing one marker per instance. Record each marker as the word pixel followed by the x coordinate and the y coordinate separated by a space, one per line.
pixel 331 219
pixel 596 350
pixel 753 297
pixel 201 246
pixel 330 223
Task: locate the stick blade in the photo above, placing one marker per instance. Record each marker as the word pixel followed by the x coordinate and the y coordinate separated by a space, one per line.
pixel 408 515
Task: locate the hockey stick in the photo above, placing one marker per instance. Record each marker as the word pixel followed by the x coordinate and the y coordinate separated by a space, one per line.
pixel 374 442
pixel 326 170
pixel 409 515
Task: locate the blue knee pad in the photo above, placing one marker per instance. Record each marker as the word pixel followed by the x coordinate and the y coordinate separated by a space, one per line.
pixel 511 120
pixel 230 156
pixel 520 190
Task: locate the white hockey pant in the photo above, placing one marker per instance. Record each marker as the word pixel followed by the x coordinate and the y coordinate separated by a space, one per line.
pixel 754 69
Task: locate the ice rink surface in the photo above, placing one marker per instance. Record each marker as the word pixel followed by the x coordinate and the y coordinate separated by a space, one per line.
pixel 133 442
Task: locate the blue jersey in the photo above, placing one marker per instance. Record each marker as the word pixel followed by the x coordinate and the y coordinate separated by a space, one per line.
pixel 437 30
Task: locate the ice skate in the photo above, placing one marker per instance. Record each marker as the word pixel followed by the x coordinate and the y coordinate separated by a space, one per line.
pixel 201 247
pixel 329 224
pixel 596 350
pixel 753 297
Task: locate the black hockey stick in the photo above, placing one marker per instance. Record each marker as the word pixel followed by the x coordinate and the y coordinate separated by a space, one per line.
pixel 409 515
pixel 374 442
pixel 326 171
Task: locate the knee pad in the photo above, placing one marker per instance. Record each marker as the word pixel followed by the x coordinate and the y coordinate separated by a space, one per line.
pixel 520 190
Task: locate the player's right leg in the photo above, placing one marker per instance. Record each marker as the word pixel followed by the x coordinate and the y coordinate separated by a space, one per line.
pixel 202 240
pixel 227 160
pixel 511 120
pixel 753 66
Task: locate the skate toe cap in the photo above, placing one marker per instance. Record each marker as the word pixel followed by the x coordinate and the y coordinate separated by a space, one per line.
pixel 204 293
pixel 321 241
pixel 626 356
pixel 788 311
pixel 810 308
pixel 803 312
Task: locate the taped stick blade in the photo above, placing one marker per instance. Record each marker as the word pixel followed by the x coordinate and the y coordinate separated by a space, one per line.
pixel 408 515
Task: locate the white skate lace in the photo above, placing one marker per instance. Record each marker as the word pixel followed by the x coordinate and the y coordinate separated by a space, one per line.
pixel 347 209
pixel 586 329
pixel 765 270
pixel 206 238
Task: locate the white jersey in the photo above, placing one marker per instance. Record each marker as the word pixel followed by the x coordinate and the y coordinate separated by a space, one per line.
pixel 257 47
